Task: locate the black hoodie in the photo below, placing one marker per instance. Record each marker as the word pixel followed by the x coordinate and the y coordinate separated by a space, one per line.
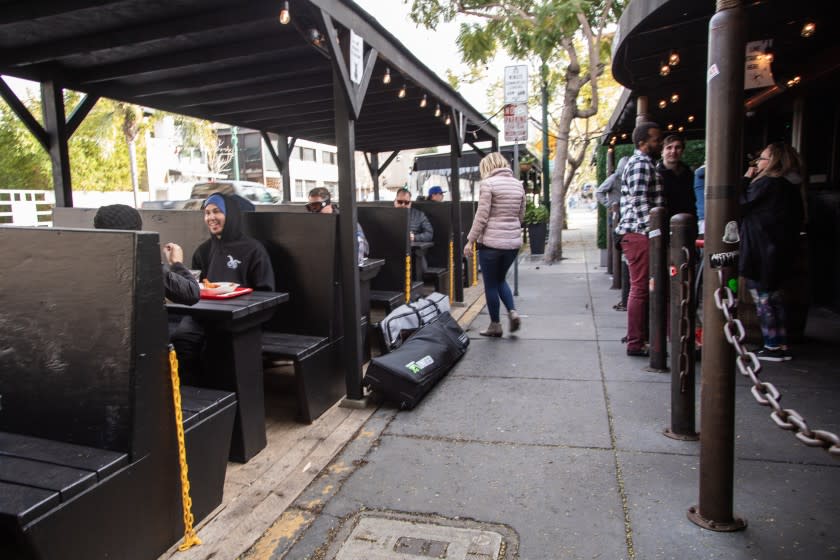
pixel 234 257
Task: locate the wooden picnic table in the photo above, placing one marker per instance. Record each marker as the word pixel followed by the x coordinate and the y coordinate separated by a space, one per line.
pixel 234 359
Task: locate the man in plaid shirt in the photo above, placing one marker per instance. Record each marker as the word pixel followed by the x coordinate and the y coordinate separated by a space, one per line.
pixel 641 190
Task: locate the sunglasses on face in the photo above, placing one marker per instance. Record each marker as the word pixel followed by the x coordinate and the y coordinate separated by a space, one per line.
pixel 402 202
pixel 317 206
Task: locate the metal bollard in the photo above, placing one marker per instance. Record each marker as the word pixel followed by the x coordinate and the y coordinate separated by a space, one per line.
pixel 616 252
pixel 682 257
pixel 657 305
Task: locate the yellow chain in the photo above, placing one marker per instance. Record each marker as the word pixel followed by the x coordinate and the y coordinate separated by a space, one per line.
pixel 475 264
pixel 408 278
pixel 451 270
pixel 190 538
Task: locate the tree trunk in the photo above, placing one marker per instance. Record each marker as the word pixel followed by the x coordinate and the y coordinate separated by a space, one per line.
pixel 554 249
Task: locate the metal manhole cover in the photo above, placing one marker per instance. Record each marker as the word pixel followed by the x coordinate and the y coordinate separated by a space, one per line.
pixel 396 536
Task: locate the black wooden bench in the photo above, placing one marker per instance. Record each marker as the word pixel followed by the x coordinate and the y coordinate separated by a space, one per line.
pixel 438 277
pixel 307 332
pixel 88 456
pixel 386 228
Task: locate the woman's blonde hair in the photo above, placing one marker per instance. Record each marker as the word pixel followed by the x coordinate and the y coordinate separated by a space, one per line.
pixel 783 160
pixel 491 162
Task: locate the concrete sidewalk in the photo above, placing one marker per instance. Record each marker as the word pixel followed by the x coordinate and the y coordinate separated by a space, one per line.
pixel 548 445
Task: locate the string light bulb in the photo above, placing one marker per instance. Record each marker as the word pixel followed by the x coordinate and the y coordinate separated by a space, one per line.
pixel 794 81
pixel 447 120
pixel 675 97
pixel 624 136
pixel 808 29
pixel 673 58
pixel 664 70
pixel 386 79
pixel 662 103
pixel 681 129
pixel 285 16
pixel 690 118
pixel 423 101
pixel 670 126
pixel 437 109
pixel 401 94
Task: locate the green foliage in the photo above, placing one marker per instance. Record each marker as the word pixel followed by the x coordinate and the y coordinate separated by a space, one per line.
pixel 602 227
pixel 24 164
pixel 535 214
pixel 695 153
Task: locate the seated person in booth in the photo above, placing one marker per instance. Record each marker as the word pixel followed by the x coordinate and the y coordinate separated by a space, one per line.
pixel 179 285
pixel 320 203
pixel 228 256
pixel 436 194
pixel 419 226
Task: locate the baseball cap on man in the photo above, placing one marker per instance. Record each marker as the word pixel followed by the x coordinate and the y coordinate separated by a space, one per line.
pixel 436 190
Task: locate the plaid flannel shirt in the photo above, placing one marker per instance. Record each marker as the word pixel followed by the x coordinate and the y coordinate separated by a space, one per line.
pixel 641 190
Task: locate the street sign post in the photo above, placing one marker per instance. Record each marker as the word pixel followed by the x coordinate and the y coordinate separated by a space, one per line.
pixel 516 84
pixel 516 122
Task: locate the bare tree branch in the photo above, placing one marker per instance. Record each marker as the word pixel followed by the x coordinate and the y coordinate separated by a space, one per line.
pixel 503 6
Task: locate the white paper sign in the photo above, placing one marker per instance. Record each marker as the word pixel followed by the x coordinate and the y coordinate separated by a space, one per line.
pixel 516 84
pixel 357 49
pixel 757 67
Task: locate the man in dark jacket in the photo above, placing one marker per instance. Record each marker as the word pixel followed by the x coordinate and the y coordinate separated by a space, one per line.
pixel 179 286
pixel 419 226
pixel 677 178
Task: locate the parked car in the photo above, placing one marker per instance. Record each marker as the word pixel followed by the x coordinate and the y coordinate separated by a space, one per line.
pixel 255 193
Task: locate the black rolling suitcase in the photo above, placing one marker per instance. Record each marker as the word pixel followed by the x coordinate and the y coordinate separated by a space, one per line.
pixel 406 374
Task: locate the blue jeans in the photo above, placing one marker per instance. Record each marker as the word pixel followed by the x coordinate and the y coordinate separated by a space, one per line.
pixel 495 264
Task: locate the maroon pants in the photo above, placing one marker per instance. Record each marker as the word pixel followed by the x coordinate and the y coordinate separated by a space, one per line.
pixel 635 248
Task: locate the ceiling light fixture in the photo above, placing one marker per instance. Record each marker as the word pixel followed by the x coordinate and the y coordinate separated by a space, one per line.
pixel 386 79
pixel 285 17
pixel 447 121
pixel 675 97
pixel 662 103
pixel 664 70
pixel 794 81
pixel 670 126
pixel 690 118
pixel 624 136
pixel 681 129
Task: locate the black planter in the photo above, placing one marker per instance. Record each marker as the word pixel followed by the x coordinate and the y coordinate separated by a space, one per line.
pixel 536 235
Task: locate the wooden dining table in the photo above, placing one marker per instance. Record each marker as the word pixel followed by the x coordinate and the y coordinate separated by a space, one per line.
pixel 233 359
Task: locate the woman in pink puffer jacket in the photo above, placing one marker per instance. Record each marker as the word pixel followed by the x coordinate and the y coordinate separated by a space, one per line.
pixel 497 230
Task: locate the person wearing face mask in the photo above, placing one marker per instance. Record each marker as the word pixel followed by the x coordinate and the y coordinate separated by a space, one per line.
pixel 677 178
pixel 771 219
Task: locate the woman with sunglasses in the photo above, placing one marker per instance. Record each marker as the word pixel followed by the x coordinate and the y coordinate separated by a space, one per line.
pixel 497 230
pixel 772 213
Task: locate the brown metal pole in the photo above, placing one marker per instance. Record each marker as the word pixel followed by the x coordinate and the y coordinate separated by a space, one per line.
pixel 657 306
pixel 642 110
pixel 724 137
pixel 682 259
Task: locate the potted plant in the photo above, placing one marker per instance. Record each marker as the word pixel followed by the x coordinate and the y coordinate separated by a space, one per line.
pixel 536 218
pixel 526 162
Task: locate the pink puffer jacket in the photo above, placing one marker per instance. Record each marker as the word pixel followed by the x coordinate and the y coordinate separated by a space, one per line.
pixel 501 209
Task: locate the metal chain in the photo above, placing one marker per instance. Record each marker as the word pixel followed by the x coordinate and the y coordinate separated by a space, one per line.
pixel 685 302
pixel 764 392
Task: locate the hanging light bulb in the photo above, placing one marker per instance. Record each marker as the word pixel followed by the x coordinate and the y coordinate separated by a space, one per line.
pixel 690 118
pixel 808 29
pixel 447 121
pixel 386 79
pixel 401 94
pixel 423 101
pixel 664 70
pixel 675 97
pixel 674 58
pixel 662 103
pixel 624 136
pixel 670 126
pixel 285 17
pixel 437 109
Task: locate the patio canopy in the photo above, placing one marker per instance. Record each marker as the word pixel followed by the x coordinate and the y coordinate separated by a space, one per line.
pixel 234 63
pixel 660 52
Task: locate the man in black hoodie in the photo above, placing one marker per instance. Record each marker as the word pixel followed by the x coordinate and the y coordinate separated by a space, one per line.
pixel 228 256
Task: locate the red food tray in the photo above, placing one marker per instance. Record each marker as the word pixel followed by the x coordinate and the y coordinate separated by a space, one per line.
pixel 240 291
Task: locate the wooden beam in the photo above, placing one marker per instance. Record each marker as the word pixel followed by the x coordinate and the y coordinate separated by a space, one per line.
pixel 15 12
pixel 24 115
pixel 52 100
pixel 80 112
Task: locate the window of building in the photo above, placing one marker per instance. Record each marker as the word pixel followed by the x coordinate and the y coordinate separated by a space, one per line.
pixel 333 188
pixel 299 190
pixel 328 157
pixel 307 154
